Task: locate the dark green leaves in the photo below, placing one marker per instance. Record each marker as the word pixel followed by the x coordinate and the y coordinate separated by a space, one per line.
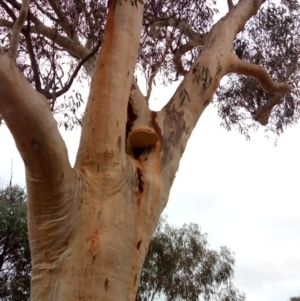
pixel 15 262
pixel 180 266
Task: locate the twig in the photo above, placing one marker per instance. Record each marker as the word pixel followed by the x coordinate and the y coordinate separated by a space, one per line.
pixel 18 27
pixel 68 85
pixel 34 64
pixel 230 4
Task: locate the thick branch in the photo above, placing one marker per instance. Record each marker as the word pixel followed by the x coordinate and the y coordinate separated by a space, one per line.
pixel 111 85
pixel 66 43
pixel 199 84
pixel 260 74
pixel 27 114
pixel 18 27
pixel 262 114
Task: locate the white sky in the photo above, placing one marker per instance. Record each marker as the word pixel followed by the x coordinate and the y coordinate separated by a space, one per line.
pixel 243 194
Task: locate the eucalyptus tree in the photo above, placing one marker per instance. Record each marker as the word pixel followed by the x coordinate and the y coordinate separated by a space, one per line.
pixel 180 266
pixel 90 224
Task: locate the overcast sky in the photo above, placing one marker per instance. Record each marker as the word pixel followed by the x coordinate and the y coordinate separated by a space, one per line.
pixel 243 194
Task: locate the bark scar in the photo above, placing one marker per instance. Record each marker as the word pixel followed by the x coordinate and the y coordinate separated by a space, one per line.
pixel 106 284
pixel 140 179
pixel 139 244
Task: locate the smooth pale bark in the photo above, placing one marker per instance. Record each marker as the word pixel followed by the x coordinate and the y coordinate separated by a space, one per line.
pixel 90 226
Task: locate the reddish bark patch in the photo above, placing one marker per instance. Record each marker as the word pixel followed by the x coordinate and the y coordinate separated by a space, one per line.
pixel 155 124
pixel 94 244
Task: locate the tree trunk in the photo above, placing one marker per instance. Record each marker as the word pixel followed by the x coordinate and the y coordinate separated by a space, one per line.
pixel 90 226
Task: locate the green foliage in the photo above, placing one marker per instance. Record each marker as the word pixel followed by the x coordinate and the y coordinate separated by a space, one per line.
pixel 271 40
pixel 15 262
pixel 180 266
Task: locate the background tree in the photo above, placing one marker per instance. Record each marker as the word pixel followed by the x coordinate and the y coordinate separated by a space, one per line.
pixel 90 225
pixel 295 298
pixel 180 266
pixel 14 248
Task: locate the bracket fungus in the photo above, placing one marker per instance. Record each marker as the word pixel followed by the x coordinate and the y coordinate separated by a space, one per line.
pixel 142 137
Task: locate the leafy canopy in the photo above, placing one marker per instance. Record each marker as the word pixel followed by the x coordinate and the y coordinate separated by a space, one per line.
pixel 59 34
pixel 271 40
pixel 180 266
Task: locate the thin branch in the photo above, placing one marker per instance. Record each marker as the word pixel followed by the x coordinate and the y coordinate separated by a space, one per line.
pixel 68 44
pixel 40 8
pixel 194 39
pixel 34 64
pixel 180 52
pixel 63 20
pixel 183 26
pixel 230 4
pixel 8 10
pixel 18 27
pixel 154 293
pixel 69 84
pixel 153 74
